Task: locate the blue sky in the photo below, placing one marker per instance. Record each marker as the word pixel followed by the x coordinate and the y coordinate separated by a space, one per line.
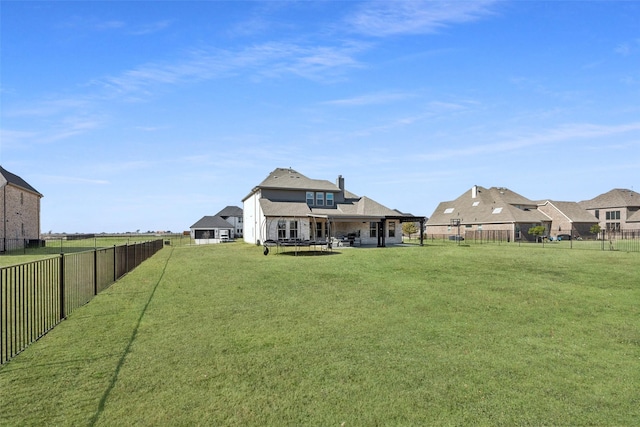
pixel 149 115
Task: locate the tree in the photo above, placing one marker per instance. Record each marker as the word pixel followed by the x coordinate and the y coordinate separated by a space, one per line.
pixel 537 231
pixel 595 229
pixel 409 228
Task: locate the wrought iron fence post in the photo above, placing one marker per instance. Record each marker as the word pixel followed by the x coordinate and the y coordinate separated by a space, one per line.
pixel 62 302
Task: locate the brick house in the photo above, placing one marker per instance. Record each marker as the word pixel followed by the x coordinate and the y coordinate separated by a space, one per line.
pixel 616 210
pixel 480 211
pixel 19 212
pixel 290 207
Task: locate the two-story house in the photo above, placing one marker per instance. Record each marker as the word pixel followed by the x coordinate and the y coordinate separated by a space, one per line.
pixel 233 215
pixel 617 210
pixel 19 212
pixel 288 206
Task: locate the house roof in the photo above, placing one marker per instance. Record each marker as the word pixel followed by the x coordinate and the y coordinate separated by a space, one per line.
pixel 635 217
pixel 287 178
pixel 493 205
pixel 616 198
pixel 572 211
pixel 17 181
pixel 211 222
pixel 230 211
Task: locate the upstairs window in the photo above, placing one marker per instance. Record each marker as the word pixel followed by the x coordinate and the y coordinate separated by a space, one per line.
pixel 329 199
pixel 320 198
pixel 310 198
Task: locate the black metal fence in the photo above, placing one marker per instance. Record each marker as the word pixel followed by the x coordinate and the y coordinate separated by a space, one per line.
pixel 620 240
pixel 36 296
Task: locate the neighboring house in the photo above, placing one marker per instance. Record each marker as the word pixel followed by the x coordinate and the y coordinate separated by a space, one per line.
pixel 616 210
pixel 567 218
pixel 290 207
pixel 509 215
pixel 233 215
pixel 211 229
pixel 20 212
pixel 481 211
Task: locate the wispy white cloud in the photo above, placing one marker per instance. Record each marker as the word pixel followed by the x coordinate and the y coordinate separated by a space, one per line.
pixel 371 99
pixel 628 48
pixel 75 180
pixel 271 60
pixel 151 28
pixel 562 134
pixel 385 18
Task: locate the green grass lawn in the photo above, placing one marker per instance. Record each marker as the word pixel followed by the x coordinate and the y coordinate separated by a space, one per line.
pixel 433 335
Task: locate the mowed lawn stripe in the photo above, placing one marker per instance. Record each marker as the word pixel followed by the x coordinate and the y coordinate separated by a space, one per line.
pixel 491 335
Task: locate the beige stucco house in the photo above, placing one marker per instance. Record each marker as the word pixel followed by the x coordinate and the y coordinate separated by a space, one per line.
pixel 287 206
pixel 19 212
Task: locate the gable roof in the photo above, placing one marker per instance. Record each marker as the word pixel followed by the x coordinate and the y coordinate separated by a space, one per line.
pixel 635 217
pixel 480 205
pixel 211 222
pixel 230 211
pixel 616 198
pixel 17 181
pixel 572 211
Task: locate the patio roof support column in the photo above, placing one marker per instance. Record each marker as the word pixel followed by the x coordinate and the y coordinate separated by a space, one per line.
pixel 422 232
pixel 381 227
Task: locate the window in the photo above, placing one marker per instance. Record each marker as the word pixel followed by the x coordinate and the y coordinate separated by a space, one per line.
pixel 293 229
pixel 320 198
pixel 309 198
pixel 282 229
pixel 597 214
pixel 448 210
pixel 475 203
pixel 496 210
pixel 22 198
pixel 319 229
pixel 329 199
pixel 613 215
pixel 392 229
pixel 373 229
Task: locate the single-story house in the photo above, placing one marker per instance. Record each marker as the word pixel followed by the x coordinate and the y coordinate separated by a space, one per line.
pixel 211 229
pixel 287 206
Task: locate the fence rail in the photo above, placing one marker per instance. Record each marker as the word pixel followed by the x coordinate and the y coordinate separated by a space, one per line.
pixel 620 240
pixel 36 296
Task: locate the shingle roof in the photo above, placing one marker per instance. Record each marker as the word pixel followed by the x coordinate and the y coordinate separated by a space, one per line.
pixel 493 205
pixel 17 181
pixel 230 211
pixel 287 178
pixel 573 211
pixel 211 222
pixel 616 198
pixel 635 217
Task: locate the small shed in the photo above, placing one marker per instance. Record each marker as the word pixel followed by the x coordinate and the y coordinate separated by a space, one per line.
pixel 211 229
